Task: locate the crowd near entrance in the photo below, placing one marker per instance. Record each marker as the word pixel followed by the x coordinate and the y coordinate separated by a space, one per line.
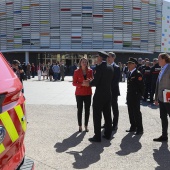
pixel 69 60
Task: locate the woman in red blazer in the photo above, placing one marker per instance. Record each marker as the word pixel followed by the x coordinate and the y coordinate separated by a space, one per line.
pixel 83 93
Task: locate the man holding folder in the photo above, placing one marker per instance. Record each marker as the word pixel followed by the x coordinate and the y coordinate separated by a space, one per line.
pixel 162 85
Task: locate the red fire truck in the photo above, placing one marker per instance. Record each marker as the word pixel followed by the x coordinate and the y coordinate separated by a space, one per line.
pixel 13 123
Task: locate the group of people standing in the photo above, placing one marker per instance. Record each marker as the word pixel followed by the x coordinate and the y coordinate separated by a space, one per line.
pixel 54 71
pixel 150 72
pixel 106 79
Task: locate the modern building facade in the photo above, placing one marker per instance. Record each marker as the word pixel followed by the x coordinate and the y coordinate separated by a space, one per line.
pixel 49 27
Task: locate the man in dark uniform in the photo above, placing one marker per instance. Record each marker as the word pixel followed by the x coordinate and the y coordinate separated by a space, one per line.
pixel 147 80
pixel 102 97
pixel 154 75
pixel 115 89
pixel 135 88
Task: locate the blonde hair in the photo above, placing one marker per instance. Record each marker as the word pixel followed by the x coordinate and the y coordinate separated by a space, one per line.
pixel 83 58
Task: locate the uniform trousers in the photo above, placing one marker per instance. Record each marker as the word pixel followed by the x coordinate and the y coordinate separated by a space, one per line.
pixel 135 115
pixel 153 87
pixel 87 102
pixel 164 112
pixel 102 104
pixel 147 89
pixel 115 110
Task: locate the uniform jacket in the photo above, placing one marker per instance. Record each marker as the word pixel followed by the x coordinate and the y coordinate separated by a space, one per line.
pixel 163 84
pixel 146 74
pixel 102 80
pixel 115 81
pixel 135 84
pixel 78 79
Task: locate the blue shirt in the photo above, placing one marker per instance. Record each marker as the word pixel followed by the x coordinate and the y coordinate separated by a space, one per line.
pixel 162 71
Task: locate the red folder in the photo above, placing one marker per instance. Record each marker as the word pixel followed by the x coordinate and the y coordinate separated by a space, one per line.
pixel 166 96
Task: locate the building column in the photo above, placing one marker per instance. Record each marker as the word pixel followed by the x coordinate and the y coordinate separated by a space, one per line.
pixel 26 57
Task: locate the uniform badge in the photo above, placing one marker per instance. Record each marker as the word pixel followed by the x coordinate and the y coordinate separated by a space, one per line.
pixel 139 78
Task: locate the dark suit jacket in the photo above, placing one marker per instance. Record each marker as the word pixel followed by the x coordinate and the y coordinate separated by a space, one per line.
pixel 115 81
pixel 102 80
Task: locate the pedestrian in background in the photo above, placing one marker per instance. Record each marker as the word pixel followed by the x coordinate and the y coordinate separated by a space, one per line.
pixel 51 73
pixel 83 93
pixel 121 71
pixel 135 89
pixel 33 70
pixel 56 70
pixel 43 71
pixel 39 71
pixel 47 69
pixel 125 71
pixel 147 79
pixel 163 82
pixel 28 70
pixel 73 68
pixel 154 75
pixel 62 70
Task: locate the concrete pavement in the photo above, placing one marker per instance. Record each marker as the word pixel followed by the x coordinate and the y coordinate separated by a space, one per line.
pixel 53 142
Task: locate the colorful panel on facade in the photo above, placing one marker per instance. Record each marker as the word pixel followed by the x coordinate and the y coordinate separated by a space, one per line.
pixel 95 24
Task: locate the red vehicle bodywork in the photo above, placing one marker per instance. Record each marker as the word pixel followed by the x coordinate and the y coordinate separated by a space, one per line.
pixel 12 150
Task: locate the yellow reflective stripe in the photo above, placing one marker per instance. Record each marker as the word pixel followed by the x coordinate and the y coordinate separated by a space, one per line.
pixel 9 126
pixel 21 117
pixel 2 148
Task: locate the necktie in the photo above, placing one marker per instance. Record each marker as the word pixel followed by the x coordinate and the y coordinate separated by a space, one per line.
pixel 129 74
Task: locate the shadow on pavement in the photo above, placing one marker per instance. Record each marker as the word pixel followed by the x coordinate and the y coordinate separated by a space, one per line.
pixel 150 105
pixel 162 157
pixel 90 155
pixel 130 144
pixel 143 103
pixel 70 142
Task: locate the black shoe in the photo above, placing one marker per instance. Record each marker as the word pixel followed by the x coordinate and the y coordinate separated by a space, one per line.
pixel 114 128
pixel 93 139
pixel 104 136
pixel 80 129
pixel 86 129
pixel 161 139
pixel 131 130
pixel 139 133
pixel 103 126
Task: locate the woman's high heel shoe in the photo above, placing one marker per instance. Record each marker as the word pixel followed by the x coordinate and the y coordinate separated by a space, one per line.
pixel 86 129
pixel 80 129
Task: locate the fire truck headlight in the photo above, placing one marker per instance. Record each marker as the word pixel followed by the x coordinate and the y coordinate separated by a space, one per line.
pixel 2 134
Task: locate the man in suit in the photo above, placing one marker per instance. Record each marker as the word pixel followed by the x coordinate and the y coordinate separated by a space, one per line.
pixel 135 89
pixel 163 82
pixel 102 97
pixel 115 89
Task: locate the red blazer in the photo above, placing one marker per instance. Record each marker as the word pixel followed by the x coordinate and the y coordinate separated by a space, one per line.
pixel 78 80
